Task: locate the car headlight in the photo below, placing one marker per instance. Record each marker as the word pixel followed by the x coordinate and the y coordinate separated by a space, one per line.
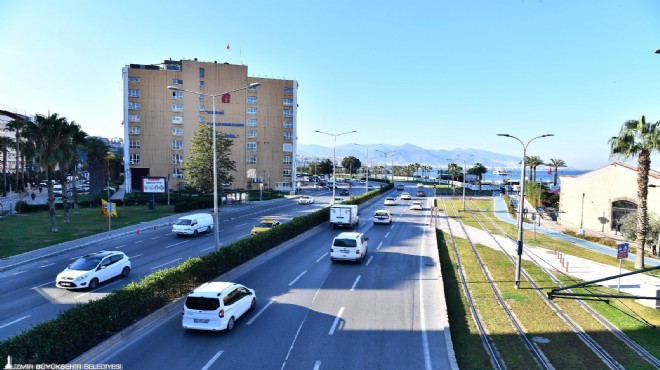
pixel 82 277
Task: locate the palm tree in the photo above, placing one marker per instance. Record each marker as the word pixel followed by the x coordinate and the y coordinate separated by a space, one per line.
pixel 556 163
pixel 5 144
pixel 72 137
pixel 46 132
pixel 478 170
pixel 533 162
pixel 638 139
pixel 97 150
pixel 17 126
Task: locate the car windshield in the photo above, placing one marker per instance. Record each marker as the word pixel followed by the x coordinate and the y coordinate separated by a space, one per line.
pixel 85 263
pixel 183 222
pixel 264 224
pixel 344 243
pixel 202 303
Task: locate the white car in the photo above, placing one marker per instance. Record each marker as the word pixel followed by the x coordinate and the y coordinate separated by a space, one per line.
pixel 416 205
pixel 420 185
pixel 405 196
pixel 306 199
pixel 389 201
pixel 92 269
pixel 350 246
pixel 382 216
pixel 217 305
pixel 338 200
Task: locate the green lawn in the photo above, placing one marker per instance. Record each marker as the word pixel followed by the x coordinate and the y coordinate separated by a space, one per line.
pixel 21 233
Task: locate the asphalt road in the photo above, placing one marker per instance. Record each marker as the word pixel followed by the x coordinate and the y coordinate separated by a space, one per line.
pixel 387 312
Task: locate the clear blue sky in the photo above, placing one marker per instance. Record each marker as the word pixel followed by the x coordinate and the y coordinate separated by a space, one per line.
pixel 439 74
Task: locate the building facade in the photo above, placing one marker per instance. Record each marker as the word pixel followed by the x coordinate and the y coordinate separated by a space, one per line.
pixel 159 124
pixel 598 199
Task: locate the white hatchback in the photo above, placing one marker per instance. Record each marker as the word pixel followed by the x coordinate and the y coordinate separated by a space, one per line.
pixel 350 246
pixel 382 216
pixel 389 201
pixel 217 305
pixel 405 196
pixel 306 199
pixel 416 205
pixel 92 269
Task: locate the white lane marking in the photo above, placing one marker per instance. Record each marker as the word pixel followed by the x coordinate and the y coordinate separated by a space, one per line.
pixel 136 256
pixel 425 339
pixel 209 248
pixel 260 312
pixel 355 283
pixel 297 277
pixel 166 263
pixel 369 260
pixel 387 234
pixel 39 286
pixel 379 245
pixel 212 360
pixel 50 264
pixel 241 225
pixel 154 237
pixel 18 273
pixel 120 246
pixel 317 365
pixel 14 322
pixel 139 241
pixel 323 256
pixel 175 244
pixel 334 325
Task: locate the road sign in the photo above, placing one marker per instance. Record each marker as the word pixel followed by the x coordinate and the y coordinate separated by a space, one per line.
pixel 623 249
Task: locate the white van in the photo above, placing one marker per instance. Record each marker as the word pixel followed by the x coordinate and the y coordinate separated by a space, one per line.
pixel 217 306
pixel 344 215
pixel 193 224
pixel 349 246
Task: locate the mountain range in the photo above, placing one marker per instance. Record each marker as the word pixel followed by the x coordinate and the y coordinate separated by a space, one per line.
pixel 408 153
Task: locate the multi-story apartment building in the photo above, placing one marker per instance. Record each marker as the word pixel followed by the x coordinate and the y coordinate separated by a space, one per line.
pixel 160 123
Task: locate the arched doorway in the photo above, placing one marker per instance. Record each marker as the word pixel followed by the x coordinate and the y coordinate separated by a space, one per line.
pixel 620 208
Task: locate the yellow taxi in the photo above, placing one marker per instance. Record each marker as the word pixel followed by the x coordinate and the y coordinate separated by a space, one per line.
pixel 264 225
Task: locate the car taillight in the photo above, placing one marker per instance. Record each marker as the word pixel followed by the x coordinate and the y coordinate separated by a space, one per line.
pixel 221 314
pixel 357 251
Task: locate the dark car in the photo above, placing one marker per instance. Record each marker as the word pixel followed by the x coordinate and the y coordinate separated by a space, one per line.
pixel 420 194
pixel 344 192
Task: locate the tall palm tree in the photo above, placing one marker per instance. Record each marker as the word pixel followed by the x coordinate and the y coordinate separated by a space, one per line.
pixel 638 139
pixel 478 170
pixel 17 126
pixel 533 162
pixel 5 144
pixel 46 132
pixel 555 164
pixel 96 150
pixel 72 137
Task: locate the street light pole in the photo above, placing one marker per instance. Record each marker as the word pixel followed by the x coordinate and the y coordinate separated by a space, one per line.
pixel 389 154
pixel 581 231
pixel 366 185
pixel 334 159
pixel 464 178
pixel 521 201
pixel 216 230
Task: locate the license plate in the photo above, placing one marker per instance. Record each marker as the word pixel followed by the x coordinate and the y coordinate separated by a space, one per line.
pixel 201 321
pixel 344 251
pixel 66 284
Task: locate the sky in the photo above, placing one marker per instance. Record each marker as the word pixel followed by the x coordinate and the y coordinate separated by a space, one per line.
pixel 439 74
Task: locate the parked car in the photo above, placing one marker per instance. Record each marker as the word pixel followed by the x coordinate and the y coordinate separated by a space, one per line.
pixel 416 205
pixel 92 269
pixel 389 201
pixel 405 196
pixel 350 246
pixel 217 305
pixel 306 199
pixel 264 225
pixel 382 216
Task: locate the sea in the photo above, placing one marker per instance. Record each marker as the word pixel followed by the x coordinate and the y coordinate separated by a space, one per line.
pixel 541 175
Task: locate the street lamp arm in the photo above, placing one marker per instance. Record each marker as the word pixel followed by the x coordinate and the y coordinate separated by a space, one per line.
pixel 250 86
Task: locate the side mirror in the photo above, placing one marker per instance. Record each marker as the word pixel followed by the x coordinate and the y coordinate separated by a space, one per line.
pixel 366 238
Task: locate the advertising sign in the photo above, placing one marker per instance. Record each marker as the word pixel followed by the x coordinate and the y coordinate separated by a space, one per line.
pixel 153 185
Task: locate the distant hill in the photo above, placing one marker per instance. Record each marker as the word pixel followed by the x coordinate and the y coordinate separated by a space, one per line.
pixel 409 153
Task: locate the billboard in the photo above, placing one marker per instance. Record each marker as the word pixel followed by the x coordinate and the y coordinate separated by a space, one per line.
pixel 153 185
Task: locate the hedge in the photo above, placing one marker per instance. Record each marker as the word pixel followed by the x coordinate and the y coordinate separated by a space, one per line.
pixel 82 327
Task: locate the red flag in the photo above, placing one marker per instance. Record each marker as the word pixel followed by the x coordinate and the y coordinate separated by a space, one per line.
pixel 549 170
pixel 228 47
pixel 226 98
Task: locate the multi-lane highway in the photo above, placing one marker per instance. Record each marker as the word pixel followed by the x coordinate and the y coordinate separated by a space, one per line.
pixel 387 312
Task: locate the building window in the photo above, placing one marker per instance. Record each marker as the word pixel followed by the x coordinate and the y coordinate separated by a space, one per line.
pixel 134 158
pixel 288 102
pixel 201 119
pixel 134 130
pixel 201 72
pixel 287 124
pixel 288 113
pixel 133 118
pixel 133 143
pixel 252 146
pixel 251 134
pixel 286 173
pixel 287 147
pixel 177 158
pixel 286 159
pixel 177 95
pixel 201 84
pixel 177 173
pixel 288 135
pixel 177 144
pixel 201 107
pixel 252 111
pixel 177 131
pixel 201 97
pixel 252 100
pixel 133 93
pixel 133 79
pixel 177 107
pixel 134 105
pixel 177 120
pixel 252 159
pixel 252 122
pixel 173 67
pixel 288 89
pixel 177 82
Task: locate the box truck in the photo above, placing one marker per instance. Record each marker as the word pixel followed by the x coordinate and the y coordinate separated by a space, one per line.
pixel 344 215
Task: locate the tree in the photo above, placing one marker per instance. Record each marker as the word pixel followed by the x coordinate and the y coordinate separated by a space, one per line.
pixel 629 226
pixel 478 170
pixel 17 126
pixel 46 132
pixel 555 164
pixel 351 163
pixel 97 150
pixel 5 144
pixel 533 162
pixel 72 137
pixel 325 167
pixel 198 169
pixel 638 139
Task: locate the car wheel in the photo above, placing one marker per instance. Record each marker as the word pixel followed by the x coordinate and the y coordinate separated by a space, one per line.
pixel 253 304
pixel 230 324
pixel 209 229
pixel 94 283
pixel 125 271
pixel 195 233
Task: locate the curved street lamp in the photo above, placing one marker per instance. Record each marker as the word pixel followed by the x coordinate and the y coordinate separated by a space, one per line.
pixel 366 185
pixel 334 159
pixel 391 153
pixel 521 201
pixel 215 154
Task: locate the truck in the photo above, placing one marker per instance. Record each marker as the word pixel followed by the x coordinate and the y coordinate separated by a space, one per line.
pixel 344 215
pixel 193 224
